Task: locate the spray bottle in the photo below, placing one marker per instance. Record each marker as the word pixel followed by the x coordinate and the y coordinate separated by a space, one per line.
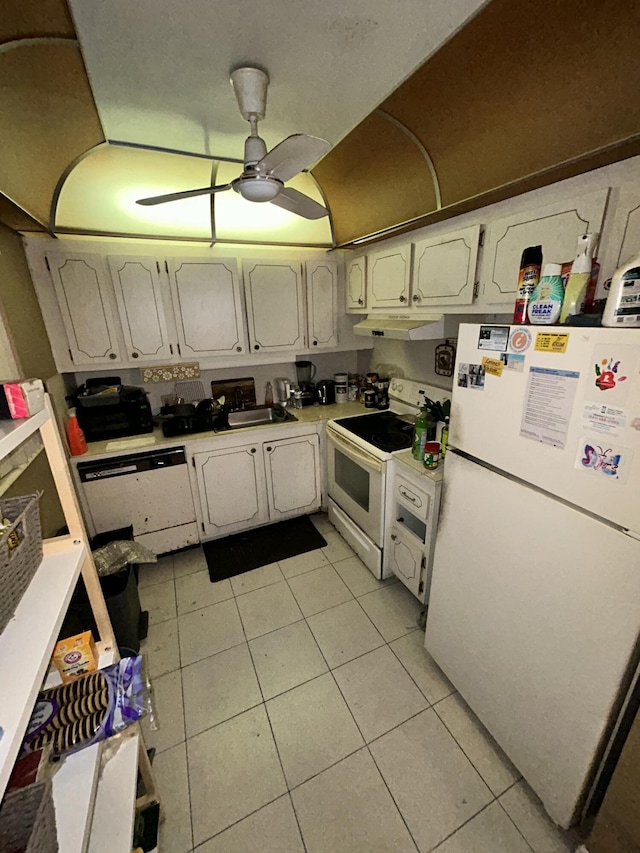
pixel 576 289
pixel 528 278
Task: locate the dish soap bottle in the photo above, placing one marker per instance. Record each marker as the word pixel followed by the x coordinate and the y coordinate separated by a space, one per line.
pixel 528 277
pixel 576 289
pixel 420 434
pixel 75 436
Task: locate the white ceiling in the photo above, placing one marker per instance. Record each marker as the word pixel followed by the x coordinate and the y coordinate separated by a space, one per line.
pixel 159 69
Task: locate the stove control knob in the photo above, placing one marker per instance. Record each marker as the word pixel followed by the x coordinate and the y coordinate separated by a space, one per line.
pixel 399 387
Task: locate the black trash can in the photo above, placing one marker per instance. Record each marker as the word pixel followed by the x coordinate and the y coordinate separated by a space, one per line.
pixel 120 591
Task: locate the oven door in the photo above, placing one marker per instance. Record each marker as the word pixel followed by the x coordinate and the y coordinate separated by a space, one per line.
pixel 356 484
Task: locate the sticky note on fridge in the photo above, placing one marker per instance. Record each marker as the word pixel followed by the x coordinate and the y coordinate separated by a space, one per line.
pixel 493 366
pixel 551 342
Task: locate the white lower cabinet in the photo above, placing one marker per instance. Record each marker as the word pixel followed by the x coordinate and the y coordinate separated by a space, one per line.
pixel 292 469
pixel 412 507
pixel 248 485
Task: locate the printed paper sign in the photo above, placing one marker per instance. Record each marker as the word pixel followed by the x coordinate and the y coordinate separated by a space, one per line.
pixel 547 405
pixel 492 366
pixel 599 458
pixel 551 342
pixel 471 376
pixel 520 340
pixel 513 361
pixel 493 338
pixel 604 419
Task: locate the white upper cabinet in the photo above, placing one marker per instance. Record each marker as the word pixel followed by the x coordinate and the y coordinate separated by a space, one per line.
pixel 356 284
pixel 292 469
pixel 389 277
pixel 555 227
pixel 275 305
pixel 208 306
pixel 139 298
pixel 444 268
pixel 322 303
pixel 86 302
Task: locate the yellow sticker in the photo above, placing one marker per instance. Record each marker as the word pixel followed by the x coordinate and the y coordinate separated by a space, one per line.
pixel 546 342
pixel 493 366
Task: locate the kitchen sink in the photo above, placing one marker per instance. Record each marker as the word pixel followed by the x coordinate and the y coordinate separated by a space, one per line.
pixel 260 415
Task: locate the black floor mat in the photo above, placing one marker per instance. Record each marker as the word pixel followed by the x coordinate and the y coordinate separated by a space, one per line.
pixel 242 552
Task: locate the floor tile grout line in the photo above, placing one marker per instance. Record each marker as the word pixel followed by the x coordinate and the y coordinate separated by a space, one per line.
pixel 400 661
pixel 393 799
pixel 248 815
pixel 458 828
pixel 464 751
pixel 522 835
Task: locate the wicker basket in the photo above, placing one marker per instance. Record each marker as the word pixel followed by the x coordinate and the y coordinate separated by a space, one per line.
pixel 28 821
pixel 18 565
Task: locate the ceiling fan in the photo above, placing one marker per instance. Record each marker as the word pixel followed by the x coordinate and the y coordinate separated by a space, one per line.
pixel 265 173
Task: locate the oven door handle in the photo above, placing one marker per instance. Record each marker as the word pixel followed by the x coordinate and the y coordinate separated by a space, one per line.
pixel 354 452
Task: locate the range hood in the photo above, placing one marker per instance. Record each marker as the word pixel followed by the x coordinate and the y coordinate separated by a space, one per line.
pixel 430 327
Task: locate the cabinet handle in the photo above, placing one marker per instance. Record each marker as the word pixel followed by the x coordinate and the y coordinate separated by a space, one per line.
pixel 315 343
pixel 269 449
pixel 179 350
pixel 393 537
pixel 403 298
pixel 135 355
pixel 112 355
pixel 406 495
pixel 238 349
pixel 401 520
pixel 416 298
pixel 256 346
pixel 171 348
pixel 253 450
pixel 360 301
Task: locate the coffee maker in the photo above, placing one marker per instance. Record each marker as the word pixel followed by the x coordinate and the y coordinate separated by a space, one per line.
pixel 305 371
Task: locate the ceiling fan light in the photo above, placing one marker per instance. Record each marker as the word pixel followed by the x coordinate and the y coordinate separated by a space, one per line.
pixel 257 188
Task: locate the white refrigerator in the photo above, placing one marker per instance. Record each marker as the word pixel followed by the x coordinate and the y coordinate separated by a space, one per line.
pixel 534 612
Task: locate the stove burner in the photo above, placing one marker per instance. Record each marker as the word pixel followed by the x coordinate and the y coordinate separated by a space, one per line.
pixel 390 441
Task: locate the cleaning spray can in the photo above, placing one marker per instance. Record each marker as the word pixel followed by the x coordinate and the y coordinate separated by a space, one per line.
pixel 528 278
pixel 622 309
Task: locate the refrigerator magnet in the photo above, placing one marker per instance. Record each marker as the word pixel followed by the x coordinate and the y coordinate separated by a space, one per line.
pixel 551 342
pixel 492 366
pixel 513 361
pixel 520 340
pixel 493 338
pixel 604 459
pixel 471 376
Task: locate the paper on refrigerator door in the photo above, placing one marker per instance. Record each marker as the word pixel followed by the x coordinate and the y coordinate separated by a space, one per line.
pixel 548 404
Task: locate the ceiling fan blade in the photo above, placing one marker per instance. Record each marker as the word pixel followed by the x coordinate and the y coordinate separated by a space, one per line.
pixel 299 203
pixel 292 155
pixel 160 199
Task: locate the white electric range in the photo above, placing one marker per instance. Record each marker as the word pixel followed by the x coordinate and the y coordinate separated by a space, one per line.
pixel 359 450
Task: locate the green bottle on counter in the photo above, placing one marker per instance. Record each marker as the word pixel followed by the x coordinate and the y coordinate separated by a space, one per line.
pixel 444 438
pixel 420 434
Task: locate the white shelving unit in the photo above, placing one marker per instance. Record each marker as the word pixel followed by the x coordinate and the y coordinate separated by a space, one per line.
pixel 95 789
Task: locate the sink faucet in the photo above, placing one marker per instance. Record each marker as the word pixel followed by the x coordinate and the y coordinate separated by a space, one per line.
pixel 238 397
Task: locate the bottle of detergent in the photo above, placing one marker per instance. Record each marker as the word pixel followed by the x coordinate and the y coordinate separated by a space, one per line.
pixel 576 289
pixel 622 309
pixel 546 299
pixel 75 436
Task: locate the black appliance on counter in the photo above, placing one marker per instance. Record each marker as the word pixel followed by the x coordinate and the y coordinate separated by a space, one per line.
pixel 107 409
pixel 326 392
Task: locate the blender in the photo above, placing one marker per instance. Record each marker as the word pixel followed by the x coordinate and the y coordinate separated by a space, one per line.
pixel 305 371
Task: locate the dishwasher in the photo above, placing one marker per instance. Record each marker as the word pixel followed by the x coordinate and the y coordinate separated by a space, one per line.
pixel 150 491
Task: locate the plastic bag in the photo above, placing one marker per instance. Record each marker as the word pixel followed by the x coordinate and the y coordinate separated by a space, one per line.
pixel 89 709
pixel 116 555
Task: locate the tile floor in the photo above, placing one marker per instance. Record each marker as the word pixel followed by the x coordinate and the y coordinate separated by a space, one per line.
pixel 298 710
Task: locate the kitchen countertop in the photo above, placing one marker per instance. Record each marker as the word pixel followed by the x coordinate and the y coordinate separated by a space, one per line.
pixel 310 415
pixel 405 457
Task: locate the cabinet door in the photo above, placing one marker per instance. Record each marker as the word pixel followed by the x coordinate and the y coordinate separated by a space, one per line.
pixel 231 487
pixel 275 305
pixel 356 278
pixel 322 303
pixel 293 476
pixel 208 306
pixel 555 227
pixel 444 268
pixel 389 273
pixel 137 286
pixel 406 560
pixel 86 303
